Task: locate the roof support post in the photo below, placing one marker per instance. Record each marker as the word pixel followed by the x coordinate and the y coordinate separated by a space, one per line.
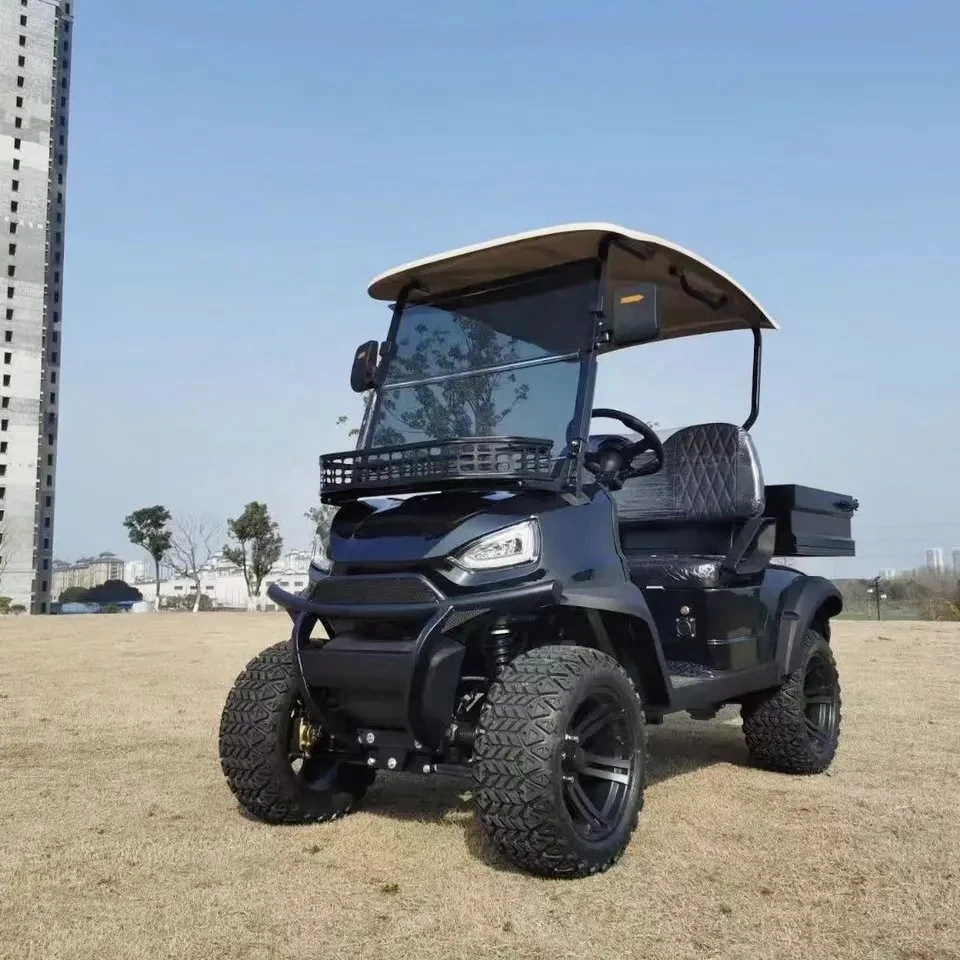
pixel 755 394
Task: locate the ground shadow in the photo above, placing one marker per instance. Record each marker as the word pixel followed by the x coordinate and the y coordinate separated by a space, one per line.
pixel 681 745
pixel 678 747
pixel 408 797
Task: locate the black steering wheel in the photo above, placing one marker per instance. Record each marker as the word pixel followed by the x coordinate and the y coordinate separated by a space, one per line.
pixel 611 463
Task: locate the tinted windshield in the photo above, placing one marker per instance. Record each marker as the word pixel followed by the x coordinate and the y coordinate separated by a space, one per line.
pixel 535 401
pixel 504 363
pixel 529 322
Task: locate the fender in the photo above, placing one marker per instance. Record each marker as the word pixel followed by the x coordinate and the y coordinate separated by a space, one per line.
pixel 644 651
pixel 800 606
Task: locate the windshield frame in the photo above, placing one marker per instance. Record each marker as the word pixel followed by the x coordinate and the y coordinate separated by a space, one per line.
pixel 583 271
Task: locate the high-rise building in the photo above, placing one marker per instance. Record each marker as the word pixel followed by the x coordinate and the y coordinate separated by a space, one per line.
pixel 934 560
pixel 86 573
pixel 36 37
pixel 134 570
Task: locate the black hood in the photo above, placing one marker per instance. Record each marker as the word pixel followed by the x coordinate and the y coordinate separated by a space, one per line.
pixel 427 526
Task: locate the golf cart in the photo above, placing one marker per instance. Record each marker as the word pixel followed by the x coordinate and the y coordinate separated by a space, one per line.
pixel 513 597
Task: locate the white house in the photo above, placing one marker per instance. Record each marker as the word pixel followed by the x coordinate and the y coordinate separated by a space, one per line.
pixel 223 582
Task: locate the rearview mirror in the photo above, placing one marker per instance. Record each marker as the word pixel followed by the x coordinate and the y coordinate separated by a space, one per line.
pixel 635 314
pixel 363 374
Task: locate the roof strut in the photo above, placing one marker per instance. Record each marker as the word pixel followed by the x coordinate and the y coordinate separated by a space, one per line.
pixel 755 395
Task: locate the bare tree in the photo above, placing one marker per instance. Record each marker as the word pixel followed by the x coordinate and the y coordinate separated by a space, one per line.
pixel 193 544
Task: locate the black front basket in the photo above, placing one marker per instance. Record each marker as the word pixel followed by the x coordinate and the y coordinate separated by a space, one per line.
pixel 488 461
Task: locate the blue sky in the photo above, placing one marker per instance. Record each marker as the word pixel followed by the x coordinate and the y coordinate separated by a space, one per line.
pixel 237 175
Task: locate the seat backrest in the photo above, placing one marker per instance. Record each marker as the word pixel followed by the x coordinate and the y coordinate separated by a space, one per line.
pixel 711 474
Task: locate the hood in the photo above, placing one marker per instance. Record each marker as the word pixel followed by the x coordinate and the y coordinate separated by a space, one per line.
pixel 426 526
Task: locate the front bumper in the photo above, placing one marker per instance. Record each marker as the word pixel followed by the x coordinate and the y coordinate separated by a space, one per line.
pixel 508 598
pixel 409 684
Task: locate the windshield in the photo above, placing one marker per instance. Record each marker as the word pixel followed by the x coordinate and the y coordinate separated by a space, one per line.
pixel 498 364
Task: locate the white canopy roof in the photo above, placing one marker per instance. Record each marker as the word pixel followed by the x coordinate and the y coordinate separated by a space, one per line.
pixel 694 296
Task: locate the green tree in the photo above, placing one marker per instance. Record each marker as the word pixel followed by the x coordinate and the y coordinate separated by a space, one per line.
pixel 5 606
pixel 74 595
pixel 257 548
pixel 113 592
pixel 147 528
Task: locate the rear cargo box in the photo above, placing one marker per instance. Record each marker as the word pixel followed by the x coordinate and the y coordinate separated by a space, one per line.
pixel 811 523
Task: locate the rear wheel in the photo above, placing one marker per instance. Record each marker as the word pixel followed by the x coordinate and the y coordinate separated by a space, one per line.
pixel 559 760
pixel 279 766
pixel 796 728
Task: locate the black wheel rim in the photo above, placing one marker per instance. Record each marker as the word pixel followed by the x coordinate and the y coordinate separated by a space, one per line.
pixel 821 711
pixel 306 745
pixel 599 765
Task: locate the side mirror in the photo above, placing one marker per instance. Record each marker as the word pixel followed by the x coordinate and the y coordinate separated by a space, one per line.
pixel 635 314
pixel 363 374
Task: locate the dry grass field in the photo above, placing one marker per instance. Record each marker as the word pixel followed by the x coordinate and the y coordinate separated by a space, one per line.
pixel 120 839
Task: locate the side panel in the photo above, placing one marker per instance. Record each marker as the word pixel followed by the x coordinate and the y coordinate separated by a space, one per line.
pixel 721 628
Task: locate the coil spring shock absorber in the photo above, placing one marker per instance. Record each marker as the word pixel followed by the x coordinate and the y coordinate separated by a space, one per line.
pixel 501 647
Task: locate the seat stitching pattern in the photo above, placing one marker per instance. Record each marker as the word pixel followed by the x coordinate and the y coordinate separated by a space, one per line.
pixel 706 474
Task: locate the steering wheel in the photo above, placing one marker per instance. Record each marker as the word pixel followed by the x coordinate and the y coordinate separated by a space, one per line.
pixel 611 462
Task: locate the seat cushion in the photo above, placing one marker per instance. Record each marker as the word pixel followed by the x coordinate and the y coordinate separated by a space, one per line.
pixel 672 571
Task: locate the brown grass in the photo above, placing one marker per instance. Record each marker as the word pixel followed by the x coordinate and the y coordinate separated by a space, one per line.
pixel 120 839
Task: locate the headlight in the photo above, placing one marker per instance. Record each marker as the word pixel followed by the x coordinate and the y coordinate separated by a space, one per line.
pixel 505 548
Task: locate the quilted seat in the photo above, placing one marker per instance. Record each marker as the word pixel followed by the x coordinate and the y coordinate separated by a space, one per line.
pixel 711 474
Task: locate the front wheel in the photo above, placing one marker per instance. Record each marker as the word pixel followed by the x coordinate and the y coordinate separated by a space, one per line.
pixel 559 761
pixel 796 728
pixel 279 766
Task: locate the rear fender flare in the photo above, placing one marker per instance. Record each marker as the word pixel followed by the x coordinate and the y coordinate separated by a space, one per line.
pixel 807 602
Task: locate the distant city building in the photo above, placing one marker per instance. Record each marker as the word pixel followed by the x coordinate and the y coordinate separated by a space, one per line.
pixel 889 574
pixel 934 560
pixel 296 561
pixel 134 570
pixel 87 572
pixel 956 561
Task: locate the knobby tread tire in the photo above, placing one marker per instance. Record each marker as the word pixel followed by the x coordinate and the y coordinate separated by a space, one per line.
pixel 773 723
pixel 254 752
pixel 519 797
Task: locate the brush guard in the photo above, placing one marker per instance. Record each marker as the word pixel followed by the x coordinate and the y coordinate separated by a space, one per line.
pixel 410 682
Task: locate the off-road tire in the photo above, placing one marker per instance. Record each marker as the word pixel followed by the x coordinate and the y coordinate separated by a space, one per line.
pixel 517 760
pixel 254 749
pixel 775 723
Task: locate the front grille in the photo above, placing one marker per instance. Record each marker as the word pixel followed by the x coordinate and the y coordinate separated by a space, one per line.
pixel 397 588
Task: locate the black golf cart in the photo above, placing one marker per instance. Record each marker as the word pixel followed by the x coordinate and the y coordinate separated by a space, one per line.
pixel 511 596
